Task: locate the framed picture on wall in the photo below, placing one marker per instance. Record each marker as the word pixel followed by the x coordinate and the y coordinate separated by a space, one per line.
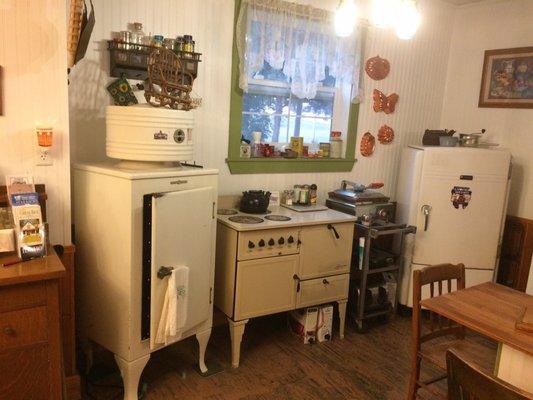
pixel 507 78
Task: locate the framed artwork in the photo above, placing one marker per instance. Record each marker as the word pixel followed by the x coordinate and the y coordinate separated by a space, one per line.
pixel 507 79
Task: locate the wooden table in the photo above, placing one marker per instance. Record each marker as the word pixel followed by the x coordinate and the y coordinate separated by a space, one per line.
pixel 493 311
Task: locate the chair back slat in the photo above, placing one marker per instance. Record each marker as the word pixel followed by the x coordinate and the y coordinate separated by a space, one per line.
pixel 468 382
pixel 434 276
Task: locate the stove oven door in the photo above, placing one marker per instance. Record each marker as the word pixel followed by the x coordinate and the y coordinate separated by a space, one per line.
pixel 182 235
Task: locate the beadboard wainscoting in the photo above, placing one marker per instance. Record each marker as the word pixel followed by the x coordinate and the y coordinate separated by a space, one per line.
pixel 418 69
pixel 498 25
pixel 33 57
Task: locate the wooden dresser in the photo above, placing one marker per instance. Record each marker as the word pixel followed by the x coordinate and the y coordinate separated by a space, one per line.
pixel 30 344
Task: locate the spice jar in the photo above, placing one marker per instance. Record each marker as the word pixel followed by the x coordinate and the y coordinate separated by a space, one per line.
pixel 335 150
pixel 125 37
pixel 313 194
pixel 188 46
pixel 137 35
pixel 296 191
pixel 178 47
pixel 168 43
pixel 304 195
pixel 157 41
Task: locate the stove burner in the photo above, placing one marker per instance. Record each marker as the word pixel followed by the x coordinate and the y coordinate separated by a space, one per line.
pixel 274 217
pixel 226 211
pixel 242 219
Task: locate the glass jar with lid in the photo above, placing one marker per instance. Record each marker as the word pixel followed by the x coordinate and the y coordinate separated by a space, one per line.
pixel 137 35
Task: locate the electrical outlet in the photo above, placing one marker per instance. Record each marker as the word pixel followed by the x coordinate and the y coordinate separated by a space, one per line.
pixel 43 156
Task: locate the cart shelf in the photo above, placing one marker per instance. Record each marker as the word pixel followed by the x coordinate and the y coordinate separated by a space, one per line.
pixel 360 277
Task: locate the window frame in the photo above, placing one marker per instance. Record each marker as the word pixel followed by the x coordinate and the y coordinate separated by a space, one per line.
pixel 239 165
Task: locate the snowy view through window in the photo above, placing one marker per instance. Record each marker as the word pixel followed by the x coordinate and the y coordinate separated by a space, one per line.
pixel 271 109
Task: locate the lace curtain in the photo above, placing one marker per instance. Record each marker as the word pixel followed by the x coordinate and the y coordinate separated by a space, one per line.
pixel 299 41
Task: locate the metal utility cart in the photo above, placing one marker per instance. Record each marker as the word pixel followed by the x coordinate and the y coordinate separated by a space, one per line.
pixel 372 264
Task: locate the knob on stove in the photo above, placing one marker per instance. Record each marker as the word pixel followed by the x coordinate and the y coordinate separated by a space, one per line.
pixel 281 240
pixel 290 239
pixel 271 242
pixel 261 243
pixel 251 244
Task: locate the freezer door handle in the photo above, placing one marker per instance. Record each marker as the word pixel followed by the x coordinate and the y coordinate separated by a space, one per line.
pixel 426 209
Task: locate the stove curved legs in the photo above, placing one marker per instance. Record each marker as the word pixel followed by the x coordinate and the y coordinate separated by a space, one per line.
pixel 342 316
pixel 131 374
pixel 236 330
pixel 203 339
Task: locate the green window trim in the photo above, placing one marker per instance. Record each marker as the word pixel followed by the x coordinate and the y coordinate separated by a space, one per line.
pixel 239 165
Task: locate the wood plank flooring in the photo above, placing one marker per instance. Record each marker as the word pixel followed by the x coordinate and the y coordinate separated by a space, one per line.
pixel 275 365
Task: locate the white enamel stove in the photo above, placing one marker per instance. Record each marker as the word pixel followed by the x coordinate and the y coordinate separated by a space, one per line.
pixel 280 261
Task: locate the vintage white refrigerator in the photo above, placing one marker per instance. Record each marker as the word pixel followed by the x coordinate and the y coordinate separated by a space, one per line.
pixel 456 197
pixel 133 226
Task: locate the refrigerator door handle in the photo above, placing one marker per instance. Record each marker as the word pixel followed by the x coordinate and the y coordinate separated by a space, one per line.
pixel 426 209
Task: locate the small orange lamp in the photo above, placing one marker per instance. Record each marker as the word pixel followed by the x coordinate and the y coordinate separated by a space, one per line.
pixel 45 136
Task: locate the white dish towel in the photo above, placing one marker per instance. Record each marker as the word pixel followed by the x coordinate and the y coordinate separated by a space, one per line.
pixel 174 314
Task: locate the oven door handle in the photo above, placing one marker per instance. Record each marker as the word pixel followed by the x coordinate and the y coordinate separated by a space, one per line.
pixel 331 227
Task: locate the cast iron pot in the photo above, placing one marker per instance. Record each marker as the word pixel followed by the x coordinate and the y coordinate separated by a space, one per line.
pixel 255 201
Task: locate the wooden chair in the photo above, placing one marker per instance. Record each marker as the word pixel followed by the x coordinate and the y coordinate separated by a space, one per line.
pixel 467 381
pixel 424 346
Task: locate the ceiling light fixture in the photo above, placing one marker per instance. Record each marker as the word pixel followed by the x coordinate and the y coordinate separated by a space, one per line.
pixel 408 20
pixel 345 18
pixel 384 13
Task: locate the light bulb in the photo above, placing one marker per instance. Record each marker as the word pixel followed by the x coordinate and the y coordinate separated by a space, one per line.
pixel 345 18
pixel 408 20
pixel 384 12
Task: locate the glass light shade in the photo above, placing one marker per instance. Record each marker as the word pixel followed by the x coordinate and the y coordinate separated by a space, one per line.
pixel 345 18
pixel 408 20
pixel 384 12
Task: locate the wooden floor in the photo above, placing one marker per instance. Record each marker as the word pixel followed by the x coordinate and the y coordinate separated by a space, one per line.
pixel 276 365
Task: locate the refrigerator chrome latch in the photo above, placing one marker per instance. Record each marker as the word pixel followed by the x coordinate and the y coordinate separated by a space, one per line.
pixel 426 209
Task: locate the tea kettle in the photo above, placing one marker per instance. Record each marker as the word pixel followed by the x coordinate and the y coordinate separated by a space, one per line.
pixel 255 201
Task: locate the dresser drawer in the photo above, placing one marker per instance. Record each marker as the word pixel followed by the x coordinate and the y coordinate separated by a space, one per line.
pixel 322 290
pixel 23 327
pixel 22 296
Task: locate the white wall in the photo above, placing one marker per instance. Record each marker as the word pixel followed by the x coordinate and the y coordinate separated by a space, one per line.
pixel 479 27
pixel 417 75
pixel 33 57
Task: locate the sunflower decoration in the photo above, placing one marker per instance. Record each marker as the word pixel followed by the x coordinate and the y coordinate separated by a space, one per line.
pixel 121 92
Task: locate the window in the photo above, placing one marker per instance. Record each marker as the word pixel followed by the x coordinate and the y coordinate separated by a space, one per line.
pixel 296 78
pixel 271 108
